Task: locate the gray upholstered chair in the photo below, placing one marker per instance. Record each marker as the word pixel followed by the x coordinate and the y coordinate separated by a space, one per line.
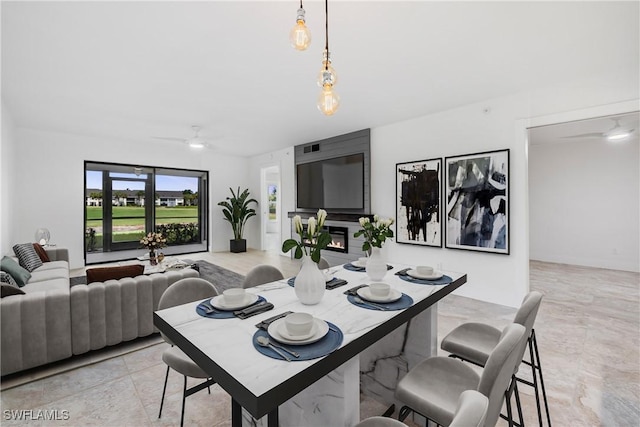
pixel 473 342
pixel 261 274
pixel 433 387
pixel 323 264
pixel 380 422
pixel 471 410
pixel 181 292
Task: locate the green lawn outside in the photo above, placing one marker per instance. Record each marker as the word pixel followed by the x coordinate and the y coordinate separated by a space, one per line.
pixel 164 215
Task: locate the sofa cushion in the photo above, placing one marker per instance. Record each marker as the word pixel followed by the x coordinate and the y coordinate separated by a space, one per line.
pixel 8 290
pixel 53 273
pixel 53 265
pixel 41 252
pixel 57 285
pixel 27 256
pixel 6 278
pixel 114 273
pixel 19 274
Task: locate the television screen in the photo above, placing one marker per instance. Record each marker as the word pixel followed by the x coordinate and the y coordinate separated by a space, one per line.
pixel 336 183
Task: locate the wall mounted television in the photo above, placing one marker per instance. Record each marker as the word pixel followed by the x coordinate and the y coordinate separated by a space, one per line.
pixel 332 184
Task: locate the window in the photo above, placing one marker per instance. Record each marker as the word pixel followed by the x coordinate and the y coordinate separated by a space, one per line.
pixel 124 202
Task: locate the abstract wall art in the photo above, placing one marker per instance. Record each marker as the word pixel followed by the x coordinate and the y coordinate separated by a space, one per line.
pixel 418 202
pixel 477 202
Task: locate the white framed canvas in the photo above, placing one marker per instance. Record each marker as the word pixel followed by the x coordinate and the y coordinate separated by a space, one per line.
pixel 477 202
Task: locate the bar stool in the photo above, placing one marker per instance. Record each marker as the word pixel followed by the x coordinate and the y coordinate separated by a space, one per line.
pixel 433 387
pixel 261 274
pixel 181 292
pixel 470 412
pixel 473 342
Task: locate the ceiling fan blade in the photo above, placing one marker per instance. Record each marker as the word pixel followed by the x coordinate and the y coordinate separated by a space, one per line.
pixel 587 135
pixel 166 138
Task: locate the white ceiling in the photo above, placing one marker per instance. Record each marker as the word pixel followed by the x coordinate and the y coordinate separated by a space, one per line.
pixel 135 70
pixel 592 130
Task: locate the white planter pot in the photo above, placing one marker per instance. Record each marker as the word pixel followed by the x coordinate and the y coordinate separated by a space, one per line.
pixel 310 283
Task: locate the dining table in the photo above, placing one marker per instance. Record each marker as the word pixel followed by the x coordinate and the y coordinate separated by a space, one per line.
pixel 370 348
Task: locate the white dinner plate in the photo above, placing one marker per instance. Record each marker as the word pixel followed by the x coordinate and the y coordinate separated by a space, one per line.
pixel 365 293
pixel 278 331
pixel 219 302
pixel 435 276
pixel 359 264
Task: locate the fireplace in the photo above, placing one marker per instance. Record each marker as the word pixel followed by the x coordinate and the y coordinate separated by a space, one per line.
pixel 339 238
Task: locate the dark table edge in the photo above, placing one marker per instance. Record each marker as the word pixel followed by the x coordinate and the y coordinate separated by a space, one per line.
pixel 286 390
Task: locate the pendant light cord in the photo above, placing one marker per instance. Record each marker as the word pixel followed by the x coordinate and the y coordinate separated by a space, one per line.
pixel 326 33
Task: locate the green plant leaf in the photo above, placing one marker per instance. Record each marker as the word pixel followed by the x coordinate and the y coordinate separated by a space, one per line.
pixel 289 244
pixel 298 253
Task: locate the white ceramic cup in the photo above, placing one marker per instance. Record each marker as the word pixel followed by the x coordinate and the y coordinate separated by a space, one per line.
pixel 362 260
pixel 233 296
pixel 424 270
pixel 379 289
pixel 298 324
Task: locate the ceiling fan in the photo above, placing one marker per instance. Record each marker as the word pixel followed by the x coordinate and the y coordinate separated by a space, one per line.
pixel 195 141
pixel 616 133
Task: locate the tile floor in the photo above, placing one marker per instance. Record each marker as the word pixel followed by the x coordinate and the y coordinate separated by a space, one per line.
pixel 588 334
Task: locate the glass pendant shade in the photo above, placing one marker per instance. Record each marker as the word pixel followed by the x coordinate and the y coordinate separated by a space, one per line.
pixel 328 101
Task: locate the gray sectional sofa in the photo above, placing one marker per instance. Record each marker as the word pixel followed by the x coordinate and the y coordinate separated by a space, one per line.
pixel 53 320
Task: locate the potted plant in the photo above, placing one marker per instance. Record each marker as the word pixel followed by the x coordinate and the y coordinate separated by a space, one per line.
pixel 236 210
pixel 375 234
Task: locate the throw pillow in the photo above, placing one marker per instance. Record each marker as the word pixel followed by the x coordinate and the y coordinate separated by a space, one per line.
pixel 113 273
pixel 6 278
pixel 27 256
pixel 7 290
pixel 19 274
pixel 42 253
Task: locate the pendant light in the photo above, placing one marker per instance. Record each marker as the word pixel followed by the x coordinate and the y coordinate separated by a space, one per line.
pixel 300 36
pixel 328 101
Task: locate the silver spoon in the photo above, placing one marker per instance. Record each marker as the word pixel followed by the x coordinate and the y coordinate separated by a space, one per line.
pixel 265 342
pixel 370 304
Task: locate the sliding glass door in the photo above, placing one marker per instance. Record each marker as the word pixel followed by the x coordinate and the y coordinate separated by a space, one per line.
pixel 124 202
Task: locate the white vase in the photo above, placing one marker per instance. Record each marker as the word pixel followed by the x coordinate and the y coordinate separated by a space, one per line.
pixel 309 284
pixel 376 265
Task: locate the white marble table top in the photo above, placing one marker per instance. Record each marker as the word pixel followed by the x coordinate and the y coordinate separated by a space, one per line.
pixel 228 342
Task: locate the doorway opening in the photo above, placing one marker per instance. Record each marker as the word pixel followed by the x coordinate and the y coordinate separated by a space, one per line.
pixel 271 209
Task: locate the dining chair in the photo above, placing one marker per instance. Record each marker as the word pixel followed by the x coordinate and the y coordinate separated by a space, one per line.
pixel 433 387
pixel 181 292
pixel 470 412
pixel 380 422
pixel 473 342
pixel 323 264
pixel 261 274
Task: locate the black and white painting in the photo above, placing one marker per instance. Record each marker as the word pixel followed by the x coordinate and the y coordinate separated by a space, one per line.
pixel 418 201
pixel 477 202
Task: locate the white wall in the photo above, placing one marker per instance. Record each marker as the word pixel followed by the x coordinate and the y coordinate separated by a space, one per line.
pixel 584 203
pixel 489 125
pixel 48 179
pixel 7 195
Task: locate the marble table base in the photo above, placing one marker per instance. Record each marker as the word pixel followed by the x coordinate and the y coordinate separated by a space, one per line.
pixel 383 364
pixel 334 400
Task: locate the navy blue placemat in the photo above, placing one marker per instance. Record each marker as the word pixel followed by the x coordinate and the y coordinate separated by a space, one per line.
pixel 202 308
pixel 404 302
pixel 351 267
pixel 320 348
pixel 331 284
pixel 444 280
